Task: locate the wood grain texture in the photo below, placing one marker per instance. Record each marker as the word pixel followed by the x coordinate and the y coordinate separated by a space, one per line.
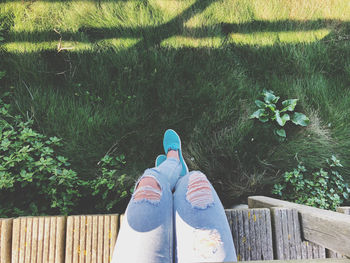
pixel 38 239
pixel 113 234
pixel 91 239
pixel 35 234
pixel 287 236
pixel 88 238
pixel 251 231
pixel 326 228
pixel 60 238
pixel 40 243
pixel 94 238
pixel 330 253
pixel 82 238
pixel 15 240
pixel 69 240
pixel 5 239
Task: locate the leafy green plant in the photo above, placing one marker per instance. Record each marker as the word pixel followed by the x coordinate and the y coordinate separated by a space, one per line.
pixel 33 178
pixel 270 110
pixel 323 189
pixel 110 184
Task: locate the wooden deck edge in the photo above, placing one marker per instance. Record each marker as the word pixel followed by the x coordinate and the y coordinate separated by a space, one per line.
pixel 5 239
pixel 323 260
pixel 326 228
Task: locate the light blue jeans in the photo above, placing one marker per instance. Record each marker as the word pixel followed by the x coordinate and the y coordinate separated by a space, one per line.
pixel 187 225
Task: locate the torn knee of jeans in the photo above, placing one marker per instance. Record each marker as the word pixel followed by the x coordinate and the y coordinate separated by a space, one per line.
pixel 148 188
pixel 199 193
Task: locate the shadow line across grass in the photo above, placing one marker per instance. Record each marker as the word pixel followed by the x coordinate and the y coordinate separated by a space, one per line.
pixel 206 93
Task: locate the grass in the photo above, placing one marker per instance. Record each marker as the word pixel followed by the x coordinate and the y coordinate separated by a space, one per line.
pixel 104 73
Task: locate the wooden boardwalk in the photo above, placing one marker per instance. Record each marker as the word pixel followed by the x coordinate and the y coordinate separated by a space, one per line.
pixel 260 234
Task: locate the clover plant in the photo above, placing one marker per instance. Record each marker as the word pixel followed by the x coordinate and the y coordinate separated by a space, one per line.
pixel 324 188
pixel 110 183
pixel 270 110
pixel 34 179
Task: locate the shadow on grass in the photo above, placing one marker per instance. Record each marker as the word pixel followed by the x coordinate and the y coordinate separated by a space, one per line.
pixel 153 35
pixel 147 88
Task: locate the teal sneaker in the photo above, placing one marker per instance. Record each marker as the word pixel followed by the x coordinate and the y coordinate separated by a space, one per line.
pixel 172 141
pixel 160 158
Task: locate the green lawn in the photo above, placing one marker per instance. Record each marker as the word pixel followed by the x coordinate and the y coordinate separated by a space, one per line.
pixel 119 73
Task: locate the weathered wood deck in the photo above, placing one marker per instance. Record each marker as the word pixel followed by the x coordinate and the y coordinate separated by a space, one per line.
pixel 270 230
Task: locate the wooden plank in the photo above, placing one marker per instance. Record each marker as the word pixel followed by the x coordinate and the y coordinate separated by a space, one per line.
pixel 322 252
pixel 327 228
pixel 35 233
pixel 278 233
pixel 88 238
pixel 251 231
pixel 229 220
pixel 60 239
pixel 94 238
pixel 22 239
pixel 5 239
pixel 41 234
pixel 28 240
pixel 100 239
pixel 291 240
pixel 15 240
pixel 332 254
pixel 76 245
pixel 235 230
pixel 235 233
pixel 46 242
pixel 287 235
pixel 304 250
pixel 252 239
pixel 69 239
pixel 114 233
pixel 297 235
pixel 266 235
pixel 245 233
pixel 83 222
pixel 107 231
pixel 52 240
pixel 241 247
pixel 38 239
pixel 259 252
pixel 269 244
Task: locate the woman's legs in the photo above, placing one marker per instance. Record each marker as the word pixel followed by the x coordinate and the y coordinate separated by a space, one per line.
pixel 146 233
pixel 202 232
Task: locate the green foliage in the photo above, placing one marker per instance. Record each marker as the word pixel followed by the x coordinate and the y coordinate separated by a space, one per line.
pixel 33 179
pixel 158 74
pixel 278 113
pixel 110 185
pixel 2 73
pixel 324 188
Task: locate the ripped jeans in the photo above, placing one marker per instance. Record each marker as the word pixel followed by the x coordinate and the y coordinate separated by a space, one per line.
pixel 187 225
